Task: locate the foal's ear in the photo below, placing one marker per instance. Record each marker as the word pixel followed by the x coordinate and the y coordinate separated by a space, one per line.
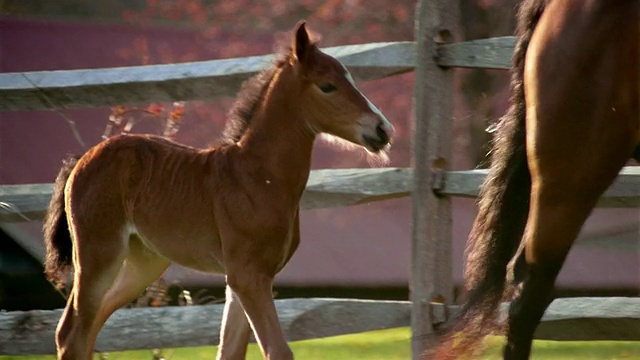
pixel 301 42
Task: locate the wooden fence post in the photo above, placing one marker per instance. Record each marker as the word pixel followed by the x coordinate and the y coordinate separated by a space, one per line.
pixel 431 269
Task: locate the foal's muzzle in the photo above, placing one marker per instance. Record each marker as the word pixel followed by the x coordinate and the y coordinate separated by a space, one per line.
pixel 381 139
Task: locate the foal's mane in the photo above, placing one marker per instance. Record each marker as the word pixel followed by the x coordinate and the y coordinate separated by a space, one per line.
pixel 253 90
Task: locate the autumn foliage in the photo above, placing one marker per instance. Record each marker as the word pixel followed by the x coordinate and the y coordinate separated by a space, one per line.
pixel 226 29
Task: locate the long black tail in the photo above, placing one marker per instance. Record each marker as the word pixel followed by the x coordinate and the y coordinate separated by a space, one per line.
pixel 57 238
pixel 503 207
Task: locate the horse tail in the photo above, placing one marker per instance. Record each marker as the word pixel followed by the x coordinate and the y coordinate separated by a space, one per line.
pixel 57 238
pixel 503 208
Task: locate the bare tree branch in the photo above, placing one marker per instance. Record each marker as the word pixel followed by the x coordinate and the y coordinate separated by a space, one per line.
pixel 56 108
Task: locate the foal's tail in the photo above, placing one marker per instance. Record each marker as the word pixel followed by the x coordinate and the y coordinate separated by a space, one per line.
pixel 503 207
pixel 57 238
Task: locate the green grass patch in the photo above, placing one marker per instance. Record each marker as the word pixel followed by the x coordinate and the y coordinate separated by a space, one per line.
pixel 393 344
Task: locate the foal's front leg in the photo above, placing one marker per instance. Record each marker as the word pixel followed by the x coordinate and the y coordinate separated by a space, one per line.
pixel 254 289
pixel 235 330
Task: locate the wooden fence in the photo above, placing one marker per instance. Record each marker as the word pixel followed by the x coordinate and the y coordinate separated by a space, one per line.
pixel 32 332
pixel 433 57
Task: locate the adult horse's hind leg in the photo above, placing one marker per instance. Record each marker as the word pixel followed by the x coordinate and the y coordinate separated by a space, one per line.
pixel 564 192
pixel 579 136
pixel 235 330
pixel 554 223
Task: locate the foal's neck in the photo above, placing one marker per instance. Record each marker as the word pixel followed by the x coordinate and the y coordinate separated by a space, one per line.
pixel 278 135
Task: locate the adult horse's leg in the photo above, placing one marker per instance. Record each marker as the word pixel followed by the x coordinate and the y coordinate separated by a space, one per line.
pixel 235 330
pixel 553 225
pixel 561 201
pixel 579 136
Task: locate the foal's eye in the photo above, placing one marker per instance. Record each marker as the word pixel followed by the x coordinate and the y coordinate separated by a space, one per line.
pixel 327 88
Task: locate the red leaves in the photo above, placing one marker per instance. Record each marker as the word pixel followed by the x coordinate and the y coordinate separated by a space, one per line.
pixel 123 118
pixel 155 109
pixel 174 120
pixel 226 29
pixel 115 120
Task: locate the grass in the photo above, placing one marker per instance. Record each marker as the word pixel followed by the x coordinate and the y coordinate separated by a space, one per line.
pixel 390 344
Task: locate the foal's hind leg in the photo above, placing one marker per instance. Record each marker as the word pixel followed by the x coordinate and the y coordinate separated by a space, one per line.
pixel 97 260
pixel 235 331
pixel 140 268
pixel 108 282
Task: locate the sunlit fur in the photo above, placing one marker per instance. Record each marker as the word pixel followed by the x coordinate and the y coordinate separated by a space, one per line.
pixel 374 159
pixel 136 203
pixel 573 123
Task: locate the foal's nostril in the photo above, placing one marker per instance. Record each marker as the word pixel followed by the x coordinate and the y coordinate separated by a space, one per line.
pixel 381 138
pixel 384 137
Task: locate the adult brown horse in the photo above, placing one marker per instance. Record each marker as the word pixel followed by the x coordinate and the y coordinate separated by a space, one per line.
pixel 572 125
pixel 133 204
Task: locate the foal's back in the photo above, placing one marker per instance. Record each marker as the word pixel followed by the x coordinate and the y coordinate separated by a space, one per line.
pixel 158 190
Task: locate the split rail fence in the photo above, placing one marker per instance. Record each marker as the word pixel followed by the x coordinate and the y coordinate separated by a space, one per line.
pixel 432 56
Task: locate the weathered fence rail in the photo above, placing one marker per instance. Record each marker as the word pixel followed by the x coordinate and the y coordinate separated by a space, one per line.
pixel 210 79
pixel 171 82
pixel 335 188
pixel 32 332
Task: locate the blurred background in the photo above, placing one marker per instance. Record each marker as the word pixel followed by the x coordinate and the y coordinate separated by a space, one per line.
pixel 361 251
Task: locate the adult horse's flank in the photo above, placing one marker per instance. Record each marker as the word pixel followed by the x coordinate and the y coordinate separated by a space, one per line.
pixel 133 204
pixel 572 125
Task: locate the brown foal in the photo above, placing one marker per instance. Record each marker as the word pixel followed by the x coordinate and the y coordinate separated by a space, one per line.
pixel 133 204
